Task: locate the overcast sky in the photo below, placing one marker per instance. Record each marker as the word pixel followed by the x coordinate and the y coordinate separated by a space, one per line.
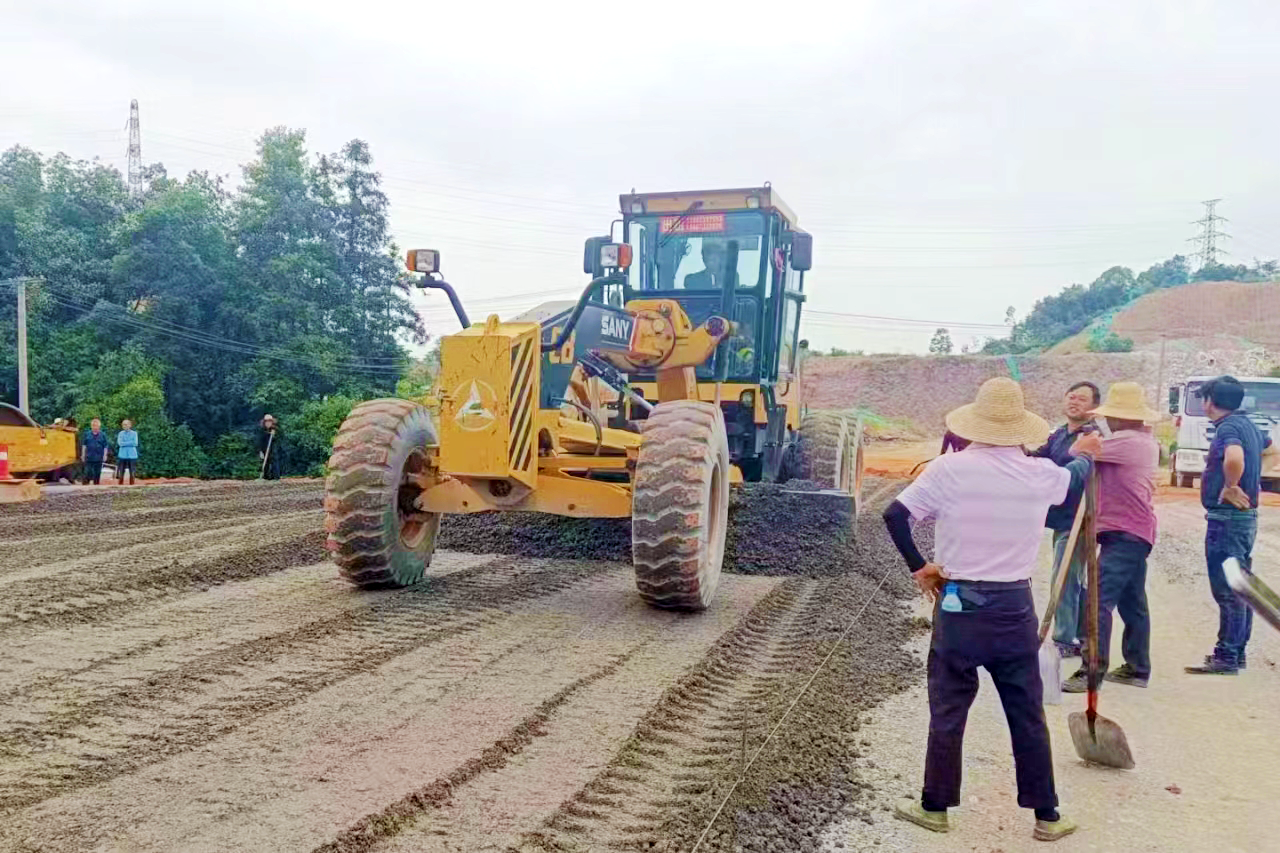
pixel 951 159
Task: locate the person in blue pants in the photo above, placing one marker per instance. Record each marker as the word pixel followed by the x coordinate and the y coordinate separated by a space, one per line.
pixel 1229 491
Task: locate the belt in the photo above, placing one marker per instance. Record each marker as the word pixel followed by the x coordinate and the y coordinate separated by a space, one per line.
pixel 991 586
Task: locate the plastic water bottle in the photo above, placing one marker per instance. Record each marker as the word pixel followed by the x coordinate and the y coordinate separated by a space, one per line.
pixel 951 599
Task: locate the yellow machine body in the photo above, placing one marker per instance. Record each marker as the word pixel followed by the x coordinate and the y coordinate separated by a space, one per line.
pixel 34 449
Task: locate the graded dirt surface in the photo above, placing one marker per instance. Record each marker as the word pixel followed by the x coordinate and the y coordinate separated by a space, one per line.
pixel 1205 745
pixel 184 670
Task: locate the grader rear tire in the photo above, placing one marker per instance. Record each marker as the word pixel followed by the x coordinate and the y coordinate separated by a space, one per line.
pixel 825 442
pixel 680 505
pixel 376 536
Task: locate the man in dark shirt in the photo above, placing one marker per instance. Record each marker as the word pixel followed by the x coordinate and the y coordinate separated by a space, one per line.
pixel 1081 399
pixel 1229 493
pixel 93 452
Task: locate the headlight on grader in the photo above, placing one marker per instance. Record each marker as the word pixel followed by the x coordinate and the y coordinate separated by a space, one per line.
pixel 423 260
pixel 615 256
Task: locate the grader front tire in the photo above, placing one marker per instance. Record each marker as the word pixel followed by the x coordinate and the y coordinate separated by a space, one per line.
pixel 376 536
pixel 825 444
pixel 680 505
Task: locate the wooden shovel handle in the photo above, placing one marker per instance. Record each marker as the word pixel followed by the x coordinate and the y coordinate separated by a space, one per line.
pixel 1046 622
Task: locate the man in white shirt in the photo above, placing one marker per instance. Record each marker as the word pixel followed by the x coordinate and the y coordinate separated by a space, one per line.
pixel 989 502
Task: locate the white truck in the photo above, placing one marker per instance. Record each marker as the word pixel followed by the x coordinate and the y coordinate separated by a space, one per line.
pixel 1195 430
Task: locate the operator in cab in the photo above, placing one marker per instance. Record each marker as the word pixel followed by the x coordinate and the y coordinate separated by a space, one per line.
pixel 711 277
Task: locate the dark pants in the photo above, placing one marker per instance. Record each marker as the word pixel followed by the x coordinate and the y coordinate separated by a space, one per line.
pixel 997 629
pixel 1230 536
pixel 126 466
pixel 1122 566
pixel 93 472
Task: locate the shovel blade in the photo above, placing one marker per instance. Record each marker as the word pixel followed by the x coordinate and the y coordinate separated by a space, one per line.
pixel 1106 745
pixel 1051 674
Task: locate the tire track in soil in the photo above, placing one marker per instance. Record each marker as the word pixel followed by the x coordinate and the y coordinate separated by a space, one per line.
pixel 100 587
pixel 248 504
pixel 106 545
pixel 676 749
pixel 108 499
pixel 97 737
pixel 297 778
pixel 662 789
pixel 88 657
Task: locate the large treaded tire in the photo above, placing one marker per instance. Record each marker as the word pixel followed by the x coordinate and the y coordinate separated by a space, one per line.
pixel 375 536
pixel 680 505
pixel 825 441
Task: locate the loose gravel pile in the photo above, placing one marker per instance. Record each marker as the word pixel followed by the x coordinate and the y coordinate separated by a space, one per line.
pixel 773 530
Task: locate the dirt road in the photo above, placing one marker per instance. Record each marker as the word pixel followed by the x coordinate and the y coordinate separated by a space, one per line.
pixel 184 670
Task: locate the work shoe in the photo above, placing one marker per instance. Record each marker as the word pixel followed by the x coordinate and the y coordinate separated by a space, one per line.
pixel 1052 830
pixel 1078 682
pixel 1068 650
pixel 1125 674
pixel 909 809
pixel 1242 665
pixel 1214 666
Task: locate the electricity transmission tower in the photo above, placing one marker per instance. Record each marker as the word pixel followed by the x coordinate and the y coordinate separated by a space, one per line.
pixel 135 151
pixel 1209 235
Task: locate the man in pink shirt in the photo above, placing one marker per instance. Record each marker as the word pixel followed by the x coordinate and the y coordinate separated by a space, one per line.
pixel 1126 525
pixel 989 502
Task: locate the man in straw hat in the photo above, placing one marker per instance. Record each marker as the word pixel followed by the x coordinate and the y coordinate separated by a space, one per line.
pixel 989 502
pixel 1126 525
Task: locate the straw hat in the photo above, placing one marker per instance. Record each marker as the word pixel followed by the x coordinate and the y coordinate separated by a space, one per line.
pixel 998 416
pixel 1126 401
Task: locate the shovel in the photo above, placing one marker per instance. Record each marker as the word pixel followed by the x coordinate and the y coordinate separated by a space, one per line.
pixel 266 457
pixel 1050 660
pixel 1253 591
pixel 1097 740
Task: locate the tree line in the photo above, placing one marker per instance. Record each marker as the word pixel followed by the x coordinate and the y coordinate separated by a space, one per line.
pixel 193 309
pixel 1077 306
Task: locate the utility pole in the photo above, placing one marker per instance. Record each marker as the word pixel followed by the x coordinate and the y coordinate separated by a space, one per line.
pixel 1207 239
pixel 135 151
pixel 23 393
pixel 20 287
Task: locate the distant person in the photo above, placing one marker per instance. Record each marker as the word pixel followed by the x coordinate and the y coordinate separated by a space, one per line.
pixel 271 448
pixel 989 503
pixel 711 277
pixel 1076 405
pixel 94 450
pixel 127 453
pixel 1229 493
pixel 1126 525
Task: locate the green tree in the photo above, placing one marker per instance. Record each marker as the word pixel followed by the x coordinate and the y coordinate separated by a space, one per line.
pixel 941 344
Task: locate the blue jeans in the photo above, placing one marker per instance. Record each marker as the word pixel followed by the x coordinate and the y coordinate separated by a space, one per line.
pixel 1230 535
pixel 1067 617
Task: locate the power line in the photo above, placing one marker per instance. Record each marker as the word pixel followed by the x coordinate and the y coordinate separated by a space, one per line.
pixel 1209 235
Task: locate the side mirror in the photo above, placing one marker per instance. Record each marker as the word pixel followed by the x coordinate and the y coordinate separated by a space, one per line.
pixel 804 343
pixel 802 251
pixel 591 264
pixel 1175 394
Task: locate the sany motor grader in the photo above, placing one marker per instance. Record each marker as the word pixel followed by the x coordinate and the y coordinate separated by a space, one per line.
pixel 675 374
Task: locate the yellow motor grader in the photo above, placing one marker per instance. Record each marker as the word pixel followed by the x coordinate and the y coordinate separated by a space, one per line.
pixel 674 375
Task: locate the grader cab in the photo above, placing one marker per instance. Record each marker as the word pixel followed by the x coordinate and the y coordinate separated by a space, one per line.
pixel 674 375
